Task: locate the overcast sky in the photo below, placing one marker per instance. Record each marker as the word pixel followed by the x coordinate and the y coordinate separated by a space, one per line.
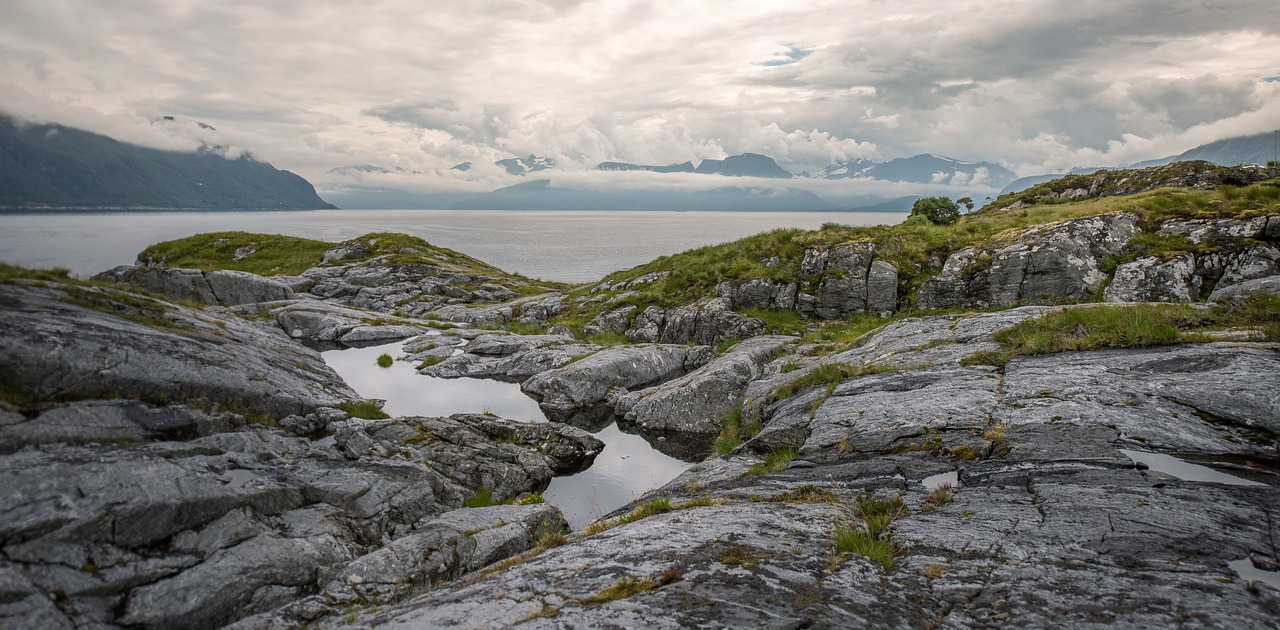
pixel 1037 85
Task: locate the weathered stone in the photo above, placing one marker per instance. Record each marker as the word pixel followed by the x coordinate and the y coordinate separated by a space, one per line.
pixel 1152 279
pixel 112 422
pixel 57 341
pixel 224 287
pixel 1200 230
pixel 585 383
pixel 1045 264
pixel 1268 285
pixel 708 321
pixel 698 401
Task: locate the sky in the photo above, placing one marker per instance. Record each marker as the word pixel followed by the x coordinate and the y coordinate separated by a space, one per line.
pixel 1037 85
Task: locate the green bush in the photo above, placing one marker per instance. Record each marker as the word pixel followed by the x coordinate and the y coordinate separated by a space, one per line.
pixel 938 210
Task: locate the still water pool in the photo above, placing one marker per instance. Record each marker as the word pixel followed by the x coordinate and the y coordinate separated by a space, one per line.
pixel 626 468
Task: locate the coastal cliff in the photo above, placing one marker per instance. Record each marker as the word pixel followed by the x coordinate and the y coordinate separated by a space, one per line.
pixel 1054 413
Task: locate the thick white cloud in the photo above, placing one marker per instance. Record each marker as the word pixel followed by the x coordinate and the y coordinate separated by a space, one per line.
pixel 1035 85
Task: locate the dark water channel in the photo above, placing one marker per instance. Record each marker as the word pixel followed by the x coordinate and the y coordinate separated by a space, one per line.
pixel 626 468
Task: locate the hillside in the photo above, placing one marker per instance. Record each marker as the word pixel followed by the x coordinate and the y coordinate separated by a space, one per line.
pixel 51 166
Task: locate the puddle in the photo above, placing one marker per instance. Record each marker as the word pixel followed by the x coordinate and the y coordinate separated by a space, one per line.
pixel 942 479
pixel 411 394
pixel 1184 470
pixel 239 476
pixel 1247 571
pixel 627 467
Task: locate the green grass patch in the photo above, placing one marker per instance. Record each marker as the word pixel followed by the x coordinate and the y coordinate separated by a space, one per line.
pixel 430 361
pixel 385 360
pixel 830 374
pixel 859 541
pixel 807 493
pixel 271 254
pixel 1135 326
pixel 483 497
pixel 778 322
pixel 656 505
pixel 626 586
pixel 367 409
pixel 775 460
pixel 733 431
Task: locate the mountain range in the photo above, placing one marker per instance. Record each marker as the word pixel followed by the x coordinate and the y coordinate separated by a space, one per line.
pixel 1255 149
pixel 51 166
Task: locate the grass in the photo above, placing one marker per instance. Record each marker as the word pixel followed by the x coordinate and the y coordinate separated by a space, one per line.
pixel 430 361
pixel 656 505
pixel 733 432
pixel 609 338
pixel 915 248
pixel 938 497
pixel 778 322
pixel 483 497
pixel 274 254
pixel 807 493
pixel 385 360
pixel 626 586
pixel 774 461
pixel 827 374
pixel 367 409
pixel 521 328
pixel 1136 326
pixel 873 540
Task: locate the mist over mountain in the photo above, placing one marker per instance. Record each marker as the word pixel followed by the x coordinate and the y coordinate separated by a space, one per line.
pixel 525 165
pixel 1253 149
pixel 51 166
pixel 541 195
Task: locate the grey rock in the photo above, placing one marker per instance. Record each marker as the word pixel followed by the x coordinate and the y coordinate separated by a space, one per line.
pixel 1267 285
pixel 708 321
pixel 324 321
pixel 58 341
pixel 112 422
pixel 1045 264
pixel 224 287
pixel 584 383
pixel 1152 279
pixel 438 550
pixel 696 402
pixel 1200 230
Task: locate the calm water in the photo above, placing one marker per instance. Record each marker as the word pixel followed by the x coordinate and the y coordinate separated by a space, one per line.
pixel 575 246
pixel 626 468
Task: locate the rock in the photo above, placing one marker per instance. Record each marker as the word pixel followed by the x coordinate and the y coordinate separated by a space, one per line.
pixel 1267 285
pixel 846 280
pixel 225 287
pixel 1047 263
pixel 112 422
pixel 86 342
pixel 707 321
pixel 583 384
pixel 696 402
pixel 322 321
pixel 1200 230
pixel 441 549
pixel 1151 279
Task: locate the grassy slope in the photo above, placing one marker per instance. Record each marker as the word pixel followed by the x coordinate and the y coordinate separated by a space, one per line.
pixel 917 247
pixel 275 254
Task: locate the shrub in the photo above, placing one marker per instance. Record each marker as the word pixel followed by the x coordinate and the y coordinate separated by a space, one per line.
pixel 938 210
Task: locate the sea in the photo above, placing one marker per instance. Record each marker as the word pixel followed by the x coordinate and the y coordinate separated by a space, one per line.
pixel 568 246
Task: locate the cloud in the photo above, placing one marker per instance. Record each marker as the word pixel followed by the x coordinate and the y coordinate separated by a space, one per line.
pixel 312 86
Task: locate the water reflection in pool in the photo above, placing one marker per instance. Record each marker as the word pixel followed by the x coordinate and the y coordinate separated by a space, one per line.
pixel 626 468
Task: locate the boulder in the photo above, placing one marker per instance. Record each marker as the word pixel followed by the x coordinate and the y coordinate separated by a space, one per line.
pixel 224 287
pixel 79 342
pixel 584 384
pixel 1267 285
pixel 1151 279
pixel 696 402
pixel 1045 264
pixel 707 321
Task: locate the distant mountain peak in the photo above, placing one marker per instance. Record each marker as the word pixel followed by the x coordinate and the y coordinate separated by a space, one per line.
pixel 525 165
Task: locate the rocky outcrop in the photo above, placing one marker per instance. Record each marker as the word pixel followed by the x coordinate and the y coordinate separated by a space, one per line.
pixel 1153 279
pixel 1045 264
pixel 69 342
pixel 224 287
pixel 315 320
pixel 389 285
pixel 197 534
pixel 833 282
pixel 494 355
pixel 1267 285
pixel 574 391
pixel 1048 521
pixel 694 404
pixel 708 321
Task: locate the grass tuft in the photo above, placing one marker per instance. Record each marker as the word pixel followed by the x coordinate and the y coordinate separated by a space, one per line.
pixel 385 360
pixel 774 461
pixel 367 409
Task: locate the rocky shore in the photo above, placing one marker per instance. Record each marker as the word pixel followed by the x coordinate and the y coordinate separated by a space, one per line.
pixel 173 456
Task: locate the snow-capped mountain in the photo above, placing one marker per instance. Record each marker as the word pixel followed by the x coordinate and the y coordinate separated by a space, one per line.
pixel 922 169
pixel 526 165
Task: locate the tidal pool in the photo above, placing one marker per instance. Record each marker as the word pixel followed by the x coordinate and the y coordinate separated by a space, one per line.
pixel 627 467
pixel 1186 471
